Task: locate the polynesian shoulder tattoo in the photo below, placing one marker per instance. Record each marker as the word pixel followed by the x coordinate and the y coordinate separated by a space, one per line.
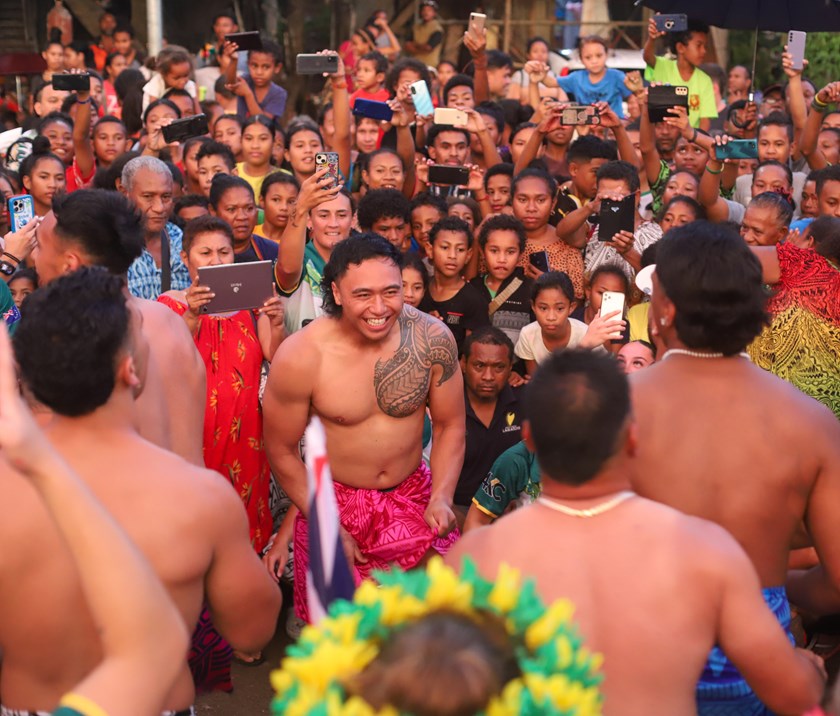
pixel 402 381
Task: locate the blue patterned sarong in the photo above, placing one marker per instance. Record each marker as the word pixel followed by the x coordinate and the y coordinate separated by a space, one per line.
pixel 722 690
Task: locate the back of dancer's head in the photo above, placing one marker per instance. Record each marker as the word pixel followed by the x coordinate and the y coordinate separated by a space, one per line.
pixel 104 224
pixel 715 283
pixel 68 342
pixel 577 406
pixel 445 664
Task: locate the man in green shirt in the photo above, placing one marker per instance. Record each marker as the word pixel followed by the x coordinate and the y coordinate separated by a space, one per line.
pixel 514 477
pixel 690 50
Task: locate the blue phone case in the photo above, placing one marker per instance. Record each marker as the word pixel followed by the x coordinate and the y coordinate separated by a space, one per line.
pixel 422 99
pixel 21 211
pixel 372 109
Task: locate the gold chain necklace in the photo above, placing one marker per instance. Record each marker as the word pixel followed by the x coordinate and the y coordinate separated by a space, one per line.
pixel 557 506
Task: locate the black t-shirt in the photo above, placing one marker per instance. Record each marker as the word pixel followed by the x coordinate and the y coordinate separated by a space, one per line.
pixel 465 311
pixel 483 445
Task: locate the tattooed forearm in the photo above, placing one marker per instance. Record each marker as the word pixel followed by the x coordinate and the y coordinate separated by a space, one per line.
pixel 402 382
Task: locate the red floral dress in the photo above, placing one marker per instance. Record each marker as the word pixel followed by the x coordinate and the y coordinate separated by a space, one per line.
pixel 233 424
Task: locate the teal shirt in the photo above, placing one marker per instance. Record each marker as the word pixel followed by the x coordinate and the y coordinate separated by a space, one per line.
pixel 514 476
pixel 11 314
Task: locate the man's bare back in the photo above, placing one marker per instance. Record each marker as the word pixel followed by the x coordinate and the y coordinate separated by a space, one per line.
pixel 723 440
pixel 170 410
pixel 648 584
pixel 188 523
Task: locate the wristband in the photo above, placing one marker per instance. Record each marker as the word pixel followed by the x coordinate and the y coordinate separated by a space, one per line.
pixel 480 198
pixel 83 101
pixel 818 104
pixel 11 256
pixel 712 171
pixel 693 136
pixel 341 85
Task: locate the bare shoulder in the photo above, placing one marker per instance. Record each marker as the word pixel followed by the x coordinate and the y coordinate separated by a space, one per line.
pixel 303 347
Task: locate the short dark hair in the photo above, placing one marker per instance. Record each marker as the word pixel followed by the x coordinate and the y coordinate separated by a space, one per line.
pixel 451 223
pixel 214 148
pixel 125 27
pixel 504 169
pixel 535 173
pixel 225 182
pixel 502 222
pixel 278 178
pixel 188 201
pixel 683 38
pixel 437 129
pixel 497 59
pixel 353 251
pixel 831 173
pixel 105 224
pixel 777 201
pixel 698 209
pixel 380 62
pixel 83 317
pixel 577 405
pixel 775 163
pixel 620 171
pixel 207 224
pixel 589 147
pixel 715 284
pixel 494 111
pixel 487 336
pixel 777 119
pixel 458 80
pixel 426 198
pixel 382 203
pixel 177 174
pixel 269 47
pixel 515 113
pixel 553 279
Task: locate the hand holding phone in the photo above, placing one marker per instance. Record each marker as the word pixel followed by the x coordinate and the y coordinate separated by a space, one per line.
pixel 612 302
pixel 539 260
pixel 329 160
pixel 421 98
pixel 671 23
pixel 477 24
pixel 21 211
pixel 796 49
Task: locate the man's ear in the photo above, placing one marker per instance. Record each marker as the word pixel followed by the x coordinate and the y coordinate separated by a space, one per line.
pixel 336 296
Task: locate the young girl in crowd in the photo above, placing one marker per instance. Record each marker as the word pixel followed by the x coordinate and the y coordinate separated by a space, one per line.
pixel 680 210
pixel 42 174
pixel 278 195
pixel 636 355
pixel 228 130
pixel 383 169
pixel 173 68
pixel 23 282
pixel 301 145
pixel 415 279
pixel 498 181
pixel 538 51
pixel 552 301
pixel 114 64
pixel 257 145
pixel 58 128
pixel 155 114
pixel 604 278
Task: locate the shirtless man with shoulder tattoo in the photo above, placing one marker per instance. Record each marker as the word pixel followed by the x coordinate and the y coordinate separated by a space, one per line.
pixel 368 368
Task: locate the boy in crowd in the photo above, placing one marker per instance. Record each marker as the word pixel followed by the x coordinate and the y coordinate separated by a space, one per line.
pixel 213 158
pixel 505 286
pixel 690 49
pixel 256 93
pixel 450 298
pixel 499 72
pixel 388 213
pixel 459 92
pixel 586 155
pixel 370 78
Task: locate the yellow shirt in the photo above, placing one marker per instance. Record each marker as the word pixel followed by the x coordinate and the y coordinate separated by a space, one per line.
pixel 255 182
pixel 637 317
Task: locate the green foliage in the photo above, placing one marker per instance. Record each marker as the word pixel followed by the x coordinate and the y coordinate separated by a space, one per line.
pixel 822 50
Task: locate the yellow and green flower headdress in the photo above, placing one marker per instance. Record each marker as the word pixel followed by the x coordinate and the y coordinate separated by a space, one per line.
pixel 559 677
